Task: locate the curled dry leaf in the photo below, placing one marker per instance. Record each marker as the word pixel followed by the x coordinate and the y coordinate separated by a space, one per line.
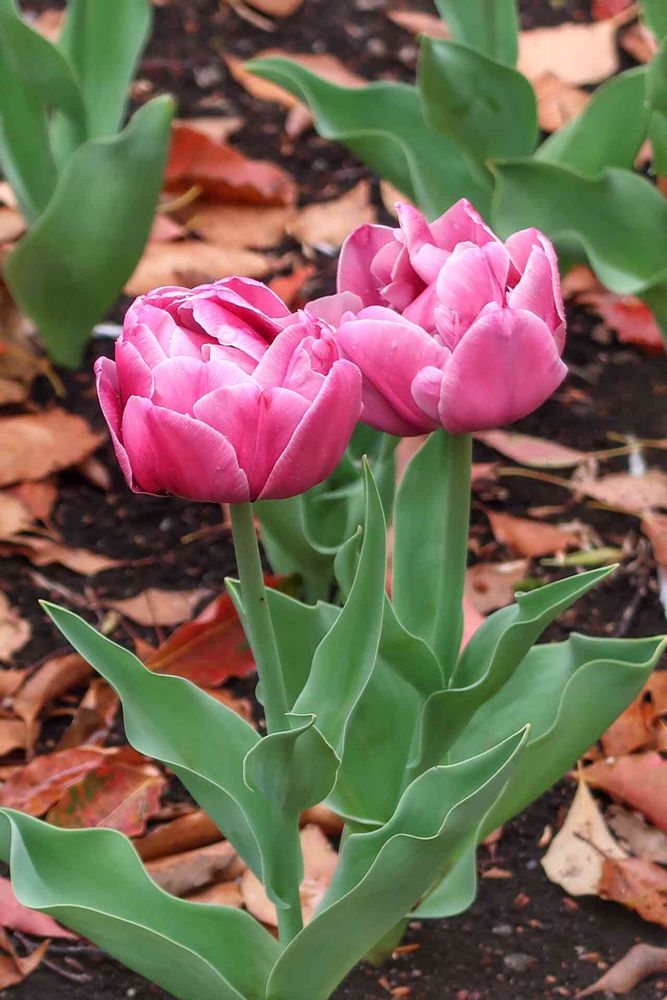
pixel 419 23
pixel 193 262
pixel 558 102
pixel 531 538
pixel 185 833
pixel 493 585
pixel 43 552
pixel 290 286
pixel 17 917
pixel 639 42
pixel 183 873
pixel 241 226
pixel 14 515
pixel 532 451
pixel 326 224
pixel 14 630
pixel 640 838
pixel 13 968
pixel 39 498
pixel 642 961
pixel 577 53
pixel 195 159
pixel 634 494
pixel 638 885
pixel 319 864
pixel 219 894
pixel 632 320
pixel 639 727
pixel 117 796
pixel 94 717
pixel 55 677
pixel 33 445
pixel 639 780
pixel 13 736
pixel 155 607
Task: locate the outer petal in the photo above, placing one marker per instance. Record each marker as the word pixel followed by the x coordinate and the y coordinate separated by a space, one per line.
pixel 460 224
pixel 174 453
pixel 332 308
pixel 426 257
pixel 109 397
pixel 356 257
pixel 505 366
pixel 319 441
pixel 390 351
pixel 539 287
pixel 134 375
pixel 178 383
pixel 471 279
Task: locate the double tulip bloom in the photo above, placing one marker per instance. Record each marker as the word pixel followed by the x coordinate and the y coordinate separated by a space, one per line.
pixel 221 394
pixel 448 325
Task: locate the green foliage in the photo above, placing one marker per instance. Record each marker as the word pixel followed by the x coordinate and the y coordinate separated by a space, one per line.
pixel 473 133
pixel 87 191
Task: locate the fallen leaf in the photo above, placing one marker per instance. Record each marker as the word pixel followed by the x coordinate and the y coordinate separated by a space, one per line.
pixel 180 874
pixel 638 836
pixel 182 834
pixel 528 537
pixel 14 515
pixel 223 172
pixel 290 286
pixel 33 445
pixel 219 128
pixel 55 677
pixel 328 821
pixel 558 102
pixel 319 864
pixel 419 23
pixel 242 706
pixel 13 736
pixel 630 493
pixel 642 961
pixel 577 853
pixel 220 894
pixel 532 451
pixel 94 717
pixel 276 8
pixel 655 528
pixel 638 885
pixel 628 316
pixel 639 42
pixel 193 262
pixel 14 630
pixel 13 968
pixel 241 226
pixel 11 680
pixel 17 917
pixel 155 607
pixel 325 225
pixel 165 229
pixel 44 552
pixel 11 224
pixel 390 196
pixel 115 796
pixel 577 53
pixel 639 780
pixel 49 23
pixel 96 472
pixel 600 9
pixel 38 497
pixel 40 784
pixel 637 727
pixel 493 585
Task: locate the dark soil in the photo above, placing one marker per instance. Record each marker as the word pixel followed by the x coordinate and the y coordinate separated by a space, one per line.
pixel 523 939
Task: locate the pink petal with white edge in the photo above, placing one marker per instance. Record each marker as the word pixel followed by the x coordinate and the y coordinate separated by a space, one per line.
pixel 109 397
pixel 460 224
pixel 174 453
pixel 356 257
pixel 319 441
pixel 505 366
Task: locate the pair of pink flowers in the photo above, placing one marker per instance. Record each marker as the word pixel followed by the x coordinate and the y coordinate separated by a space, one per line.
pixel 221 393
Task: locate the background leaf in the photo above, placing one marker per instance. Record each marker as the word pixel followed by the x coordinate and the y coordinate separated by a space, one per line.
pixel 295 769
pixel 489 26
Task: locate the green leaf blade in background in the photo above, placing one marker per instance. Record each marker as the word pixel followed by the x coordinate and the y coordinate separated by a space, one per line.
pixel 656 96
pixel 68 270
pixel 488 26
pixel 487 107
pixel 382 124
pixel 654 13
pixel 196 951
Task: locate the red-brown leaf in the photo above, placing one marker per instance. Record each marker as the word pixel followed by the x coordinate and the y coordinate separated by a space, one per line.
pixel 116 796
pixel 640 780
pixel 17 917
pixel 638 885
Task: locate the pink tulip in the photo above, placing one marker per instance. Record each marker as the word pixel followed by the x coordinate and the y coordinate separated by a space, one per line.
pixel 448 325
pixel 219 393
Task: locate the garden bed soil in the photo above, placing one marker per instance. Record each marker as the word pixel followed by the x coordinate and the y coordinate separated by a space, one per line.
pixel 523 939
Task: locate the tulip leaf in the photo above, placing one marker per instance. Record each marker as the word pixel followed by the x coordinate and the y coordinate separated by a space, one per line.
pixel 656 96
pixel 344 660
pixel 196 951
pixel 299 629
pixel 488 26
pixel 382 874
pixel 654 13
pixel 570 692
pixel 492 655
pixel 382 124
pixel 489 108
pixel 609 131
pixel 62 273
pixel 618 219
pixel 295 769
pixel 164 718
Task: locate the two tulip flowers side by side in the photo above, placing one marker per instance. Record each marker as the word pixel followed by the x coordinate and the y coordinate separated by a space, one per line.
pixel 221 394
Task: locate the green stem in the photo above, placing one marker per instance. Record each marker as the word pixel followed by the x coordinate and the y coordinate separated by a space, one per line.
pixel 262 639
pixel 449 629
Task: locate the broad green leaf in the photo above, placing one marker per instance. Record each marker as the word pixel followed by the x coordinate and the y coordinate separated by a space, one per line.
pixel 654 13
pixel 609 131
pixel 382 874
pixel 165 718
pixel 382 124
pixel 489 26
pixel 487 107
pixel 74 262
pixel 94 882
pixel 619 220
pixel 104 41
pixel 344 660
pixel 295 769
pixel 299 629
pixel 656 96
pixel 455 893
pixel 570 693
pixel 289 547
pixel 490 658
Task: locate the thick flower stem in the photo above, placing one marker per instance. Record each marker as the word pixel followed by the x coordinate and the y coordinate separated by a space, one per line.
pixel 457 521
pixel 262 639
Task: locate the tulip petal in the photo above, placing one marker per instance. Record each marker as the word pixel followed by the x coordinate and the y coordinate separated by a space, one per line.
pixel 505 366
pixel 356 258
pixel 321 437
pixel 426 255
pixel 174 453
pixel 109 396
pixel 178 383
pixel 471 279
pixel 135 377
pixel 332 308
pixel 461 223
pixel 389 352
pixel 539 287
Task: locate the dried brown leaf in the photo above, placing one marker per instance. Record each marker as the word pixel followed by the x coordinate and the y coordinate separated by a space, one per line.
pixel 325 225
pixel 57 676
pixel 13 968
pixel 638 885
pixel 493 585
pixel 94 717
pixel 220 894
pixel 419 23
pixel 13 735
pixel 276 8
pixel 531 538
pixel 17 917
pixel 193 262
pixel 535 452
pixel 181 874
pixel 558 102
pixel 185 833
pixel 242 226
pixel 33 445
pixel 115 796
pixel 638 779
pixel 631 493
pixel 642 839
pixel 155 607
pixel 642 961
pixel 577 53
pixel 14 630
